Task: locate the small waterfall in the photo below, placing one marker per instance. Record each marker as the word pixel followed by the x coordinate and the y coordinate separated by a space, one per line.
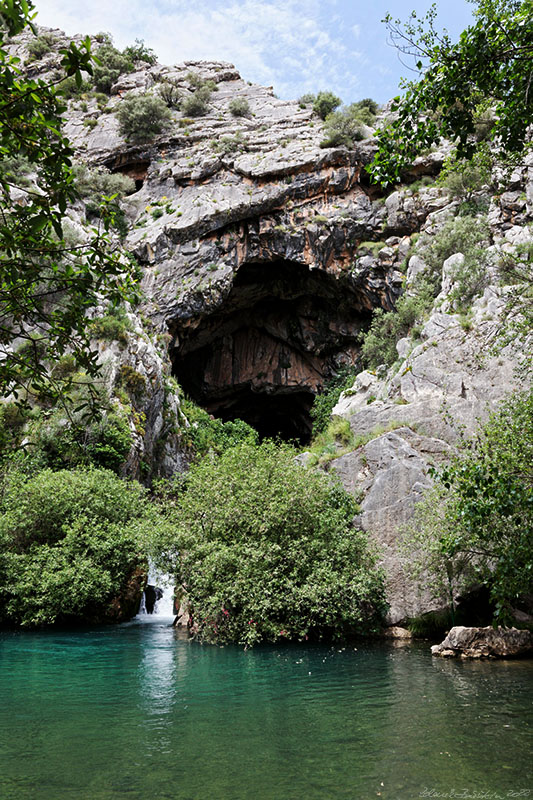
pixel 157 602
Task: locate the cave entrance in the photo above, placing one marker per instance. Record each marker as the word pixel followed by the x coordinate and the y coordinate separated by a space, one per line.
pixel 264 354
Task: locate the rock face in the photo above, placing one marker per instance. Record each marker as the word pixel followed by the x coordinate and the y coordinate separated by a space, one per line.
pixel 444 384
pixel 484 643
pixel 264 256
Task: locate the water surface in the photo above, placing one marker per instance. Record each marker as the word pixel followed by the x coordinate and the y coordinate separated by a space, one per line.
pixel 137 712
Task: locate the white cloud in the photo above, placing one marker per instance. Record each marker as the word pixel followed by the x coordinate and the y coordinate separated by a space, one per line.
pixel 284 43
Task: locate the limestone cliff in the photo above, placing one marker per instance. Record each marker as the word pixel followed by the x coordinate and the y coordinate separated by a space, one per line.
pixel 264 256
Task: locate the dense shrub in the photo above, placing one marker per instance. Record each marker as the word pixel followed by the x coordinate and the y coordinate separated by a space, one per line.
pixel 230 144
pixel 239 107
pixel 342 128
pixel 142 117
pixel 59 441
pixel 139 52
pixel 41 45
pixel 207 434
pixel 112 65
pixel 324 103
pixel 464 178
pixel 16 169
pixel 325 402
pixel 387 327
pixel 92 184
pixel 266 550
pixel 70 542
pixel 476 526
pixel 197 104
pixel 466 235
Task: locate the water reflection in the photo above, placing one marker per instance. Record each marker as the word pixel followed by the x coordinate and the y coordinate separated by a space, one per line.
pixel 138 711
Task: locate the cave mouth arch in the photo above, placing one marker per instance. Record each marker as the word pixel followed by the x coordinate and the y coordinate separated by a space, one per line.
pixel 265 352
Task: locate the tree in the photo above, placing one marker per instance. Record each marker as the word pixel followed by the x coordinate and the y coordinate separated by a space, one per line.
pixel 71 546
pixel 477 525
pixel 265 550
pixel 46 286
pixel 479 87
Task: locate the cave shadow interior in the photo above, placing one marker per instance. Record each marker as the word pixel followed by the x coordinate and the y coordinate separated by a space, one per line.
pixel 269 348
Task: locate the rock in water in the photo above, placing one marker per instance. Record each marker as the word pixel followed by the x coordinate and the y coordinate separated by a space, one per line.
pixel 484 643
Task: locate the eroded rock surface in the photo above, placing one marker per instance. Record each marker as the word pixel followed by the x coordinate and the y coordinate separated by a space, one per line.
pixel 484 643
pixel 264 255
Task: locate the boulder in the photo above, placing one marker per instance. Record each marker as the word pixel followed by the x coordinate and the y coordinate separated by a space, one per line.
pixel 484 643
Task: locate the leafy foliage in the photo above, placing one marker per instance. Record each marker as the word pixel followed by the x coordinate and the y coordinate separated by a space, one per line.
pixel 342 128
pixel 207 434
pixel 488 68
pixel 464 178
pixel 139 52
pixel 477 525
pixel 70 542
pixel 112 64
pixel 387 327
pixel 266 550
pixel 324 403
pixel 516 272
pixel 324 103
pixel 46 286
pixel 239 107
pixel 142 117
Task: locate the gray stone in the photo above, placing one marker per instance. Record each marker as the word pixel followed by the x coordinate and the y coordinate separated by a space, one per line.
pixel 485 643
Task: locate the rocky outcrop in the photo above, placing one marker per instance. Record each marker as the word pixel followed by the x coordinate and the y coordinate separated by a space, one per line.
pixel 264 256
pixel 445 382
pixel 484 643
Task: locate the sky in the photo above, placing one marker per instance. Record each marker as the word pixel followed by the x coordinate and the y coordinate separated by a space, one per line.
pixel 296 46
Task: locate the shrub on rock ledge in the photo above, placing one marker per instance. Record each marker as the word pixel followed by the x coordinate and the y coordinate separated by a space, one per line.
pixel 266 550
pixel 142 117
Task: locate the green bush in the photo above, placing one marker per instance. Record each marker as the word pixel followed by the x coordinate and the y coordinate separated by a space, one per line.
pixel 16 169
pixel 335 440
pixel 230 144
pixel 463 178
pixel 239 107
pixel 466 235
pixel 387 327
pixel 61 441
pixel 169 93
pixel 142 117
pixel 70 545
pixel 93 183
pixel 70 89
pixel 41 45
pixel 266 550
pixel 342 128
pixel 197 104
pixel 324 103
pixel 206 434
pixel 306 100
pixel 139 52
pixel 476 525
pixel 324 403
pixel 112 65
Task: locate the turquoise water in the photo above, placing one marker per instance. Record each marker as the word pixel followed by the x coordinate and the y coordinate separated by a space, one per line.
pixel 136 711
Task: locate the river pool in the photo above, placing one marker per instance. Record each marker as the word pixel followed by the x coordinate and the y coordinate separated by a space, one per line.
pixel 137 712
